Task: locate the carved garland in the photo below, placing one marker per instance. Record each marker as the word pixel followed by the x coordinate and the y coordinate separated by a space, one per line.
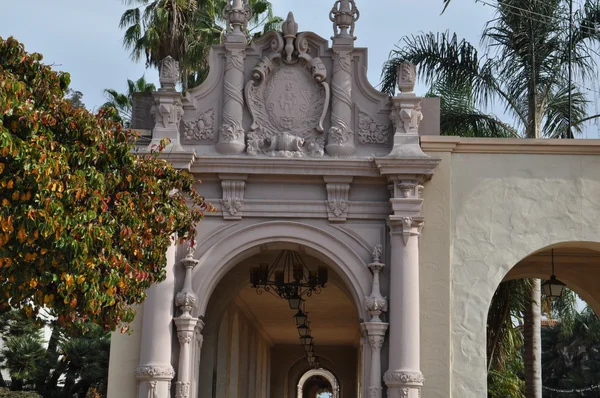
pixel 288 98
pixel 201 129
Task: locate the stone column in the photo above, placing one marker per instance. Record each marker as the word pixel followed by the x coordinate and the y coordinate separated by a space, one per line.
pixel 231 136
pixel 186 324
pixel 340 141
pixel 403 377
pixel 375 328
pixel 154 374
pixel 167 109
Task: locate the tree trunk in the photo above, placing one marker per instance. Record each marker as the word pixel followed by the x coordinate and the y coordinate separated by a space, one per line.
pixel 533 342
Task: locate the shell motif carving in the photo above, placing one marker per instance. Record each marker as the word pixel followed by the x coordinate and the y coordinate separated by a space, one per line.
pixel 201 129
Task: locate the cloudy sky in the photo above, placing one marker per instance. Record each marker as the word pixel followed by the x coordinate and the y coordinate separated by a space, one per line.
pixel 82 37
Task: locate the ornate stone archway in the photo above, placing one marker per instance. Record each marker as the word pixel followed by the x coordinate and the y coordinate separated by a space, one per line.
pixel 335 387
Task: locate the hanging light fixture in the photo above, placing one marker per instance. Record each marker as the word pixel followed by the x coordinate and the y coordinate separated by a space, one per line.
pixel 288 278
pixel 303 330
pixel 306 340
pixel 553 287
pixel 300 318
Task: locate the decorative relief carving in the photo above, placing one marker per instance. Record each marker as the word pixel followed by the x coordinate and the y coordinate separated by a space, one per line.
pixel 403 377
pixel 375 392
pixel 406 75
pixel 167 112
pixel 340 139
pixel 186 300
pixel 371 132
pixel 376 342
pixel 231 129
pixel 377 251
pixel 185 337
pixel 154 372
pixel 237 13
pixel 337 201
pixel 233 196
pixel 288 98
pixel 169 72
pixel 407 190
pixel 201 129
pixel 182 389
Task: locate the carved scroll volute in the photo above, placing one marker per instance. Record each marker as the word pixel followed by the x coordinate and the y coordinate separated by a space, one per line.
pixel 288 98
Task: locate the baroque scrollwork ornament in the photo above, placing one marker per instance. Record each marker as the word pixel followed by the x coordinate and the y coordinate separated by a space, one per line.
pixel 288 98
pixel 371 132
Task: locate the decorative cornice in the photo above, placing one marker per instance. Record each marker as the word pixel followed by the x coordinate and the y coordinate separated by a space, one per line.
pixel 435 144
pixel 154 372
pixel 286 166
pixel 417 168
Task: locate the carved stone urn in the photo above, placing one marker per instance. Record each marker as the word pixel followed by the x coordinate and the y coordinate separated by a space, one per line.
pixel 406 77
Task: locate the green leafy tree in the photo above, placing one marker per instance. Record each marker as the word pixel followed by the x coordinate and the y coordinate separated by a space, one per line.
pixel 84 223
pixel 123 103
pixel 525 68
pixel 185 30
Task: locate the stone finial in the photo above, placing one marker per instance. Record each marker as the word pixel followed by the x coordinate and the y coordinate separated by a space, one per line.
pixel 376 303
pixel 169 73
pixel 343 15
pixel 289 29
pixel 406 75
pixel 237 13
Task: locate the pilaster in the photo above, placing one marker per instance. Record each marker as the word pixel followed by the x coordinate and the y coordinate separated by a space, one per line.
pixel 167 109
pixel 231 135
pixel 340 141
pixel 376 328
pixel 186 300
pixel 406 114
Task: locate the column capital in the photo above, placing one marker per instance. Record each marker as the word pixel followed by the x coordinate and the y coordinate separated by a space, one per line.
pixel 405 226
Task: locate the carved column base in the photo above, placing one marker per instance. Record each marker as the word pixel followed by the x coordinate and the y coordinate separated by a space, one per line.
pixel 182 389
pixel 154 381
pixel 231 148
pixel 403 384
pixel 340 149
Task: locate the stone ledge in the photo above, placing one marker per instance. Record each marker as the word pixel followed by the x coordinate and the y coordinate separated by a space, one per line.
pixel 433 144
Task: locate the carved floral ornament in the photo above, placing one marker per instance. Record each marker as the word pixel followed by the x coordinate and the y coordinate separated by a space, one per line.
pixel 288 98
pixel 371 132
pixel 154 372
pixel 201 129
pixel 403 378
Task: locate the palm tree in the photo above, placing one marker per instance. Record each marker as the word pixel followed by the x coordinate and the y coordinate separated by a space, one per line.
pixel 185 30
pixel 525 68
pixel 123 103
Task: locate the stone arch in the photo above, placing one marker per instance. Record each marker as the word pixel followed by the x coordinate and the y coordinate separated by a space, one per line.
pixel 323 373
pixel 244 242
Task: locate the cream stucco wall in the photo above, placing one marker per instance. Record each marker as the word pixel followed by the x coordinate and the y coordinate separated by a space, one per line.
pixel 505 203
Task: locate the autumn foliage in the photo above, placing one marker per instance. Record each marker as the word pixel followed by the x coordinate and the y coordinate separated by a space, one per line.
pixel 84 222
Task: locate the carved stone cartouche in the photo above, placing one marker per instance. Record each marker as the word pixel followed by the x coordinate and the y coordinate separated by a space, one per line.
pixel 288 98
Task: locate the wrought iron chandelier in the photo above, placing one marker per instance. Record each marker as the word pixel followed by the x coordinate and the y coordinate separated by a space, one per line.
pixel 288 278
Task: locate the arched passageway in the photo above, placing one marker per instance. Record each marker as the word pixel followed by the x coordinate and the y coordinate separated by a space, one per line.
pixel 317 383
pixel 535 338
pixel 252 346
